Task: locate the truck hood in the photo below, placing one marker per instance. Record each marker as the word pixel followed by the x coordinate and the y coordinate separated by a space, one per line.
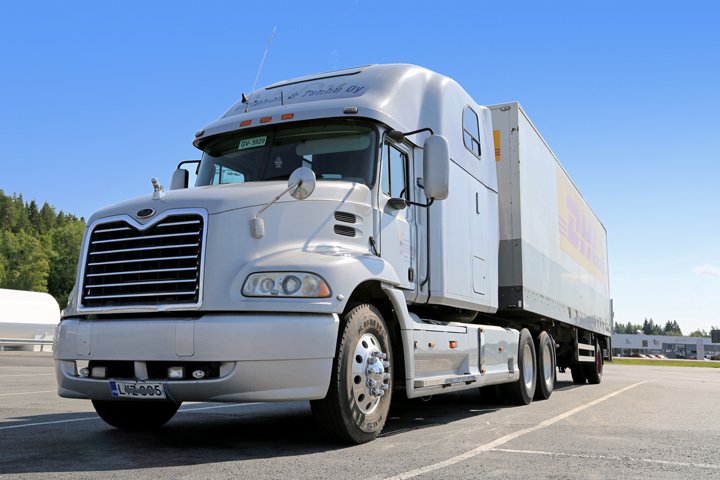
pixel 222 198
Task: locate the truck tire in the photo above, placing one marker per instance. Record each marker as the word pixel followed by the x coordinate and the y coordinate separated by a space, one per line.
pixel 578 374
pixel 545 367
pixel 358 400
pixel 594 371
pixel 523 391
pixel 135 415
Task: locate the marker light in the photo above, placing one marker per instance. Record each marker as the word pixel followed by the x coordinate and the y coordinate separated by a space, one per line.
pixel 245 123
pixel 285 284
pixel 287 116
pixel 265 119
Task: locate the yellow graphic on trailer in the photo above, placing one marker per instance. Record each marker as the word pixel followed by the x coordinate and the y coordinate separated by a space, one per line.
pixel 496 140
pixel 580 232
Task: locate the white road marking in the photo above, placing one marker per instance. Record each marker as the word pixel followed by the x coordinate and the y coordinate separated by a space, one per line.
pixel 608 457
pixel 26 393
pixel 502 440
pixel 98 418
pixel 28 375
pixel 48 423
pixel 218 406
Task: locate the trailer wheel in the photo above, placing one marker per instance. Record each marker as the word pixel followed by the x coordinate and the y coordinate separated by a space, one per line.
pixel 594 371
pixel 357 403
pixel 578 374
pixel 135 415
pixel 522 392
pixel 545 367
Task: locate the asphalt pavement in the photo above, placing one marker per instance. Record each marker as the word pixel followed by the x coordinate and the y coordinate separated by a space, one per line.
pixel 640 422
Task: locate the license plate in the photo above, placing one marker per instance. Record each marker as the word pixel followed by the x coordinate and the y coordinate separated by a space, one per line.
pixel 137 389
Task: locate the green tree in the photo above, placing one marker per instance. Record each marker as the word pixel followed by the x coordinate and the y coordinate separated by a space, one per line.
pixel 672 329
pixel 647 327
pixel 47 218
pixel 699 333
pixel 65 243
pixel 26 261
pixel 33 214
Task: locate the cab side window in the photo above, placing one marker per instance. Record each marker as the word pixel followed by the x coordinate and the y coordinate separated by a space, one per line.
pixel 471 131
pixel 394 173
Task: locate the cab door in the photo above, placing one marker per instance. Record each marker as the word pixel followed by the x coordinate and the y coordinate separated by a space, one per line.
pixel 397 226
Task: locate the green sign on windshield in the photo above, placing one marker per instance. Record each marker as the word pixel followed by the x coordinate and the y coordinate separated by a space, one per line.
pixel 252 142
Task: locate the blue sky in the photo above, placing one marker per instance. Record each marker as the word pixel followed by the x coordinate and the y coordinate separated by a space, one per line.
pixel 98 97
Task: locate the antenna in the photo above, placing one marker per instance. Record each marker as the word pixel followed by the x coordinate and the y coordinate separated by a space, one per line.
pixel 259 69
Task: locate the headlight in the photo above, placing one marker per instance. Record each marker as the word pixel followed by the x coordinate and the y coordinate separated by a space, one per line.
pixel 285 284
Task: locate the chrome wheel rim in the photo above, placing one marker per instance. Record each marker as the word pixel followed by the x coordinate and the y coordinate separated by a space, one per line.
pixel 370 375
pixel 547 365
pixel 528 366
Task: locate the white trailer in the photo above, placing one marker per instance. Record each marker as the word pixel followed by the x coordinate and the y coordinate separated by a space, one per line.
pixel 351 236
pixel 25 318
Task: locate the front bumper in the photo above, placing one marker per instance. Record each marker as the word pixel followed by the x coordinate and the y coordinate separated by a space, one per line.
pixel 262 357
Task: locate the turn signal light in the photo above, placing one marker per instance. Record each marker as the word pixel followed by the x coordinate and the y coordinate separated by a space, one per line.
pixel 452 345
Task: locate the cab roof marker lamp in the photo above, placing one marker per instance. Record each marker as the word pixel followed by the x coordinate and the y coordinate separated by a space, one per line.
pixel 287 116
pixel 245 123
pixel 350 110
pixel 265 119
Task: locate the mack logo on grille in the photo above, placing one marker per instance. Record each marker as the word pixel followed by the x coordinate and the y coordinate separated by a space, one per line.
pixel 148 212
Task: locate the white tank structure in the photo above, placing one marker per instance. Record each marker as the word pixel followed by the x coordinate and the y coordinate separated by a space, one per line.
pixel 26 316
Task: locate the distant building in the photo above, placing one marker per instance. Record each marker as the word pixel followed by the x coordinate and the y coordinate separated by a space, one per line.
pixel 672 347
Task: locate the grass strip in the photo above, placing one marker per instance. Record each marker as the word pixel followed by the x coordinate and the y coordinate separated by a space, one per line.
pixel 666 363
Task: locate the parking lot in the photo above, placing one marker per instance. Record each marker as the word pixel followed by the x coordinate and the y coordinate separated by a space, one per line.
pixel 642 421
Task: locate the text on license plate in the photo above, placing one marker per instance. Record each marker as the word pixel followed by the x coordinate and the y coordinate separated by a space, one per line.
pixel 136 389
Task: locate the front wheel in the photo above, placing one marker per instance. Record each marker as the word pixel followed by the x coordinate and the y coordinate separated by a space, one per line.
pixel 135 415
pixel 522 391
pixel 357 403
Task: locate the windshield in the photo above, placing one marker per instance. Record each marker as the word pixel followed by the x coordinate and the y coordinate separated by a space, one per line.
pixel 333 152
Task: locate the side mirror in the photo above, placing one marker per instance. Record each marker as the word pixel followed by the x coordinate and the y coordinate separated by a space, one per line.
pixel 436 167
pixel 179 179
pixel 301 183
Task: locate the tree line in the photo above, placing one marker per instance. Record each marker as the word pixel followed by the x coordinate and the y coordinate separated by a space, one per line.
pixel 39 247
pixel 648 327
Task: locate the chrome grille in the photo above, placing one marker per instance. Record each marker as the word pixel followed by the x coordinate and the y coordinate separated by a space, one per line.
pixel 126 266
